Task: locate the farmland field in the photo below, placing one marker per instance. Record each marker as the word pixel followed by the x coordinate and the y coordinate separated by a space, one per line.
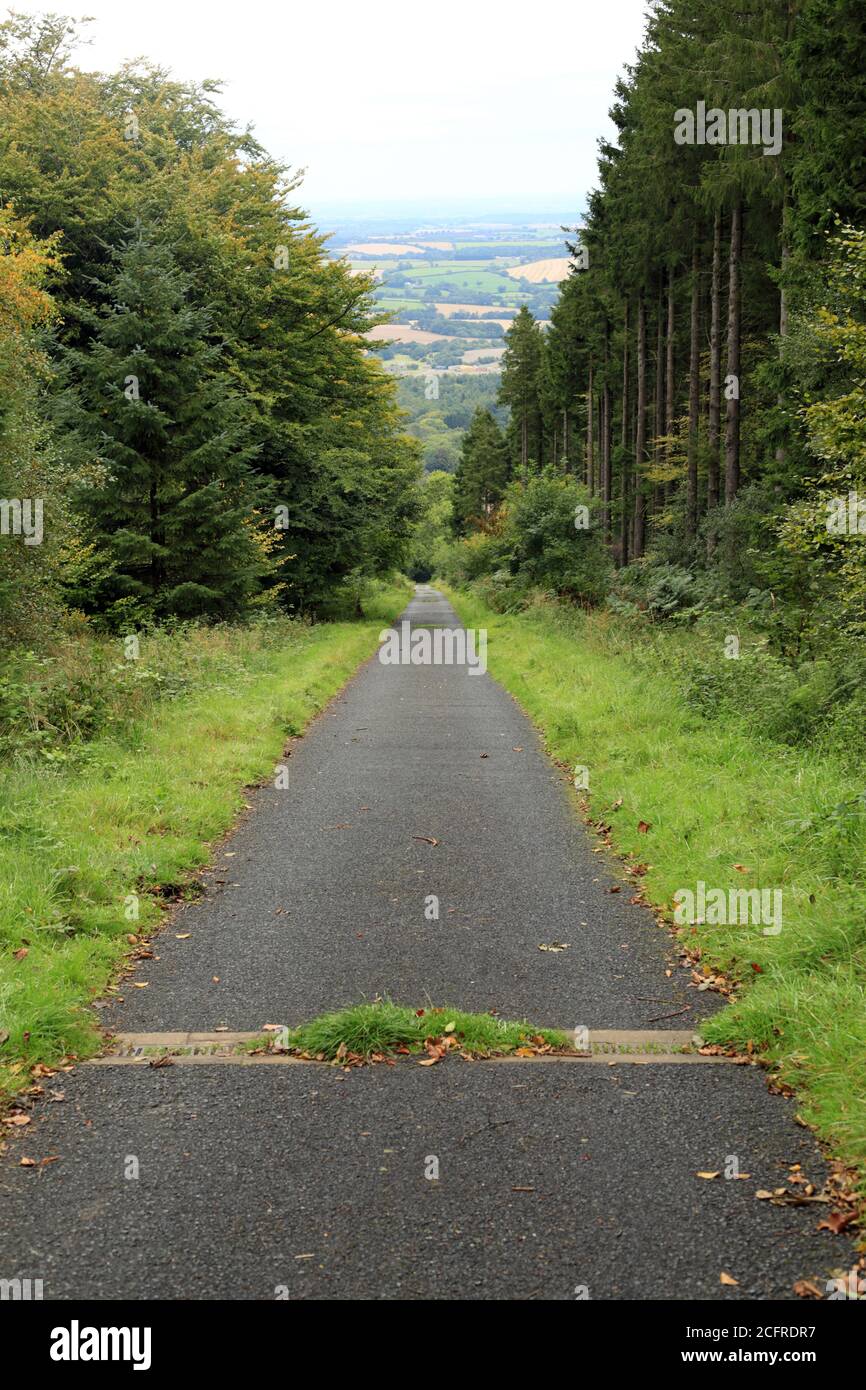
pixel 451 293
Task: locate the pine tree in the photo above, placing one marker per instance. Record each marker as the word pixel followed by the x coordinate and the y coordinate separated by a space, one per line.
pixel 521 367
pixel 482 473
pixel 151 402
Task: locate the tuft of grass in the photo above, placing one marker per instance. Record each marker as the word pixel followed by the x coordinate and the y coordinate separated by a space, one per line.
pixel 364 1030
pixel 125 819
pixel 715 794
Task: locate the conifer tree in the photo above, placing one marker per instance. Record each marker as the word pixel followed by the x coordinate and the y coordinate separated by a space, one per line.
pixel 151 402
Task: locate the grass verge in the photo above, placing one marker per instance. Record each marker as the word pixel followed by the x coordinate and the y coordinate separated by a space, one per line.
pixel 94 847
pixel 694 799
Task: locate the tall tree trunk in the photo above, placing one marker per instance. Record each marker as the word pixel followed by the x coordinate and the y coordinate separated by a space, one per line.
pixel 781 451
pixel 715 405
pixel 565 439
pixel 605 436
pixel 624 488
pixel 639 535
pixel 658 412
pixel 670 380
pixel 156 562
pixel 590 463
pixel 732 380
pixel 524 439
pixel 694 395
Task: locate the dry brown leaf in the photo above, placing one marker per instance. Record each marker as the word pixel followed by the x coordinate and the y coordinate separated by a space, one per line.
pixel 709 1175
pixel 728 1279
pixel 836 1221
pixel 805 1288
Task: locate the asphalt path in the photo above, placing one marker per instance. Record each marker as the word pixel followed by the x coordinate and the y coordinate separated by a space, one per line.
pixel 550 1178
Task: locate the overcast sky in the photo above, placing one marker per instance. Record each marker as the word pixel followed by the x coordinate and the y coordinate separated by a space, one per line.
pixel 394 101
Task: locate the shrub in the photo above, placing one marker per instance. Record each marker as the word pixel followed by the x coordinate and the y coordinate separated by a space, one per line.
pixel 546 545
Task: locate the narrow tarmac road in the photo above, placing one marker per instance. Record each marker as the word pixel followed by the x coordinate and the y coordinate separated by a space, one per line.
pixel 253 1182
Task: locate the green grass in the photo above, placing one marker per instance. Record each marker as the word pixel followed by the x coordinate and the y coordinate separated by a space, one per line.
pixel 715 795
pixel 382 1027
pixel 135 812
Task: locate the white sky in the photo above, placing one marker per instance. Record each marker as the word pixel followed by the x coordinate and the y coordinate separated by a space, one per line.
pixel 386 101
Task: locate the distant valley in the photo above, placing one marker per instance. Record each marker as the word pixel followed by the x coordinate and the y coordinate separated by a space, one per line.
pixel 451 289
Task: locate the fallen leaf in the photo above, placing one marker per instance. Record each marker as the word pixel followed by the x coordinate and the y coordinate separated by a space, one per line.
pixel 805 1288
pixel 17 1120
pixel 741 869
pixel 27 1163
pixel 428 839
pixel 709 1175
pixel 554 946
pixel 164 1061
pixel 836 1221
pixel 19 955
pixel 728 1279
pixel 139 984
pixel 763 1195
pixel 429 1061
pixel 183 935
pixel 643 826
